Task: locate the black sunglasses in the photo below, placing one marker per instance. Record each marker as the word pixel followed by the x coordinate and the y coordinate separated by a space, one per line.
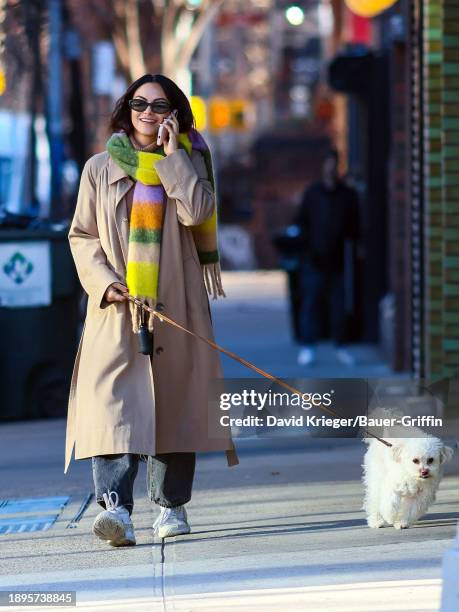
pixel 157 106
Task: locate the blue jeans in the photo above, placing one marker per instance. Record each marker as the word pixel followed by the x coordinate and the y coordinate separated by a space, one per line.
pixel 314 285
pixel 169 477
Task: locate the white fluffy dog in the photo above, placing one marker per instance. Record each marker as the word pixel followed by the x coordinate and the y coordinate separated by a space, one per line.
pixel 401 481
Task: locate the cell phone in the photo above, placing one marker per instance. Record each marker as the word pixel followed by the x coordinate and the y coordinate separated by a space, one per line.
pixel 161 127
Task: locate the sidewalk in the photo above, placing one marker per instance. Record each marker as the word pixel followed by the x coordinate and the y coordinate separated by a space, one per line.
pixel 253 321
pixel 281 531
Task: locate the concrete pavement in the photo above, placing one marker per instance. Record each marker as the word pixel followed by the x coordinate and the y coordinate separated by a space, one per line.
pixel 253 321
pixel 282 530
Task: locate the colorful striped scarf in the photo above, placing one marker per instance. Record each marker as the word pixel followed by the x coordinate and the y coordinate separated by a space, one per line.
pixel 147 217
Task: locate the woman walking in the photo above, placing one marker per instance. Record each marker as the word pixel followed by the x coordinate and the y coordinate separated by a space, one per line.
pixel 145 224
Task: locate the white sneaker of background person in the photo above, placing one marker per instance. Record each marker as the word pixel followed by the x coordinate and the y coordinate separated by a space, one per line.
pixel 171 522
pixel 114 524
pixel 306 355
pixel 344 356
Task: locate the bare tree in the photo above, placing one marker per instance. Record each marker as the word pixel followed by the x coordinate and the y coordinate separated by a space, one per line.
pixel 148 35
pixel 181 30
pixel 22 25
pixel 131 25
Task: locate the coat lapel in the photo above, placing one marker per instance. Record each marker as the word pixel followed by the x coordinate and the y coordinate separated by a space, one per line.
pixel 123 183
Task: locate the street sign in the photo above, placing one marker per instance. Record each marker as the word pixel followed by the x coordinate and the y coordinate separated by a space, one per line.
pixel 198 106
pixel 238 114
pixel 230 113
pixel 369 8
pixel 25 274
pixel 103 67
pixel 219 114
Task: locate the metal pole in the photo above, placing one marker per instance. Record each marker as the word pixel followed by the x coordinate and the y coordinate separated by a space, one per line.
pixel 54 119
pixel 206 53
pixel 32 15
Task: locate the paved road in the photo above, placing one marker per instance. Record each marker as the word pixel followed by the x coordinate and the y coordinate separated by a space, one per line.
pixel 282 530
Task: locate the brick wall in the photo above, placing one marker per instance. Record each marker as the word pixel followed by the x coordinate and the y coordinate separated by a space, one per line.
pixel 433 191
pixel 441 168
pixel 450 188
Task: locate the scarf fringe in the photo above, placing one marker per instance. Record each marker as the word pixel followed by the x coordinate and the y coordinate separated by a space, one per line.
pixel 213 282
pixel 137 313
pixel 213 279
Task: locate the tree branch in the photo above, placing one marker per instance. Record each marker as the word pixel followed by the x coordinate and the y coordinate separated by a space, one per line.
pixel 201 22
pixel 134 46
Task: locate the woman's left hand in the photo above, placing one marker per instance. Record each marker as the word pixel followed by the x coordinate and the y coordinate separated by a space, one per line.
pixel 172 126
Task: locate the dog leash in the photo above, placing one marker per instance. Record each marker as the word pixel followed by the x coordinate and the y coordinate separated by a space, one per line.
pixel 162 317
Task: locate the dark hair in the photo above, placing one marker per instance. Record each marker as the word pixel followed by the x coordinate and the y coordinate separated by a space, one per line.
pixel 121 116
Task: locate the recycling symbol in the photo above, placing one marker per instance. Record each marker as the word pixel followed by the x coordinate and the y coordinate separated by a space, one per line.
pixel 18 268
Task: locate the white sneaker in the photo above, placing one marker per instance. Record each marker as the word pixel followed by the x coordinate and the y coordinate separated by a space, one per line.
pixel 306 356
pixel 345 357
pixel 114 524
pixel 171 522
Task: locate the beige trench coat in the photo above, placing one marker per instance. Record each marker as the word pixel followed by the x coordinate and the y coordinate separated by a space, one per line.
pixel 122 401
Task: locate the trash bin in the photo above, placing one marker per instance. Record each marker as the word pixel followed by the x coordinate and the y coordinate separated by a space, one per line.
pixel 39 316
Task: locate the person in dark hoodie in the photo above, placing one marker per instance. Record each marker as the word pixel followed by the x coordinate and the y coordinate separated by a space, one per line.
pixel 328 216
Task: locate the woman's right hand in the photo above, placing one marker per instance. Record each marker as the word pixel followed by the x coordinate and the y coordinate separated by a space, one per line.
pixel 116 292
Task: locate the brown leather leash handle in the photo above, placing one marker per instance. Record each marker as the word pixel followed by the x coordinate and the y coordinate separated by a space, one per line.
pixel 162 317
